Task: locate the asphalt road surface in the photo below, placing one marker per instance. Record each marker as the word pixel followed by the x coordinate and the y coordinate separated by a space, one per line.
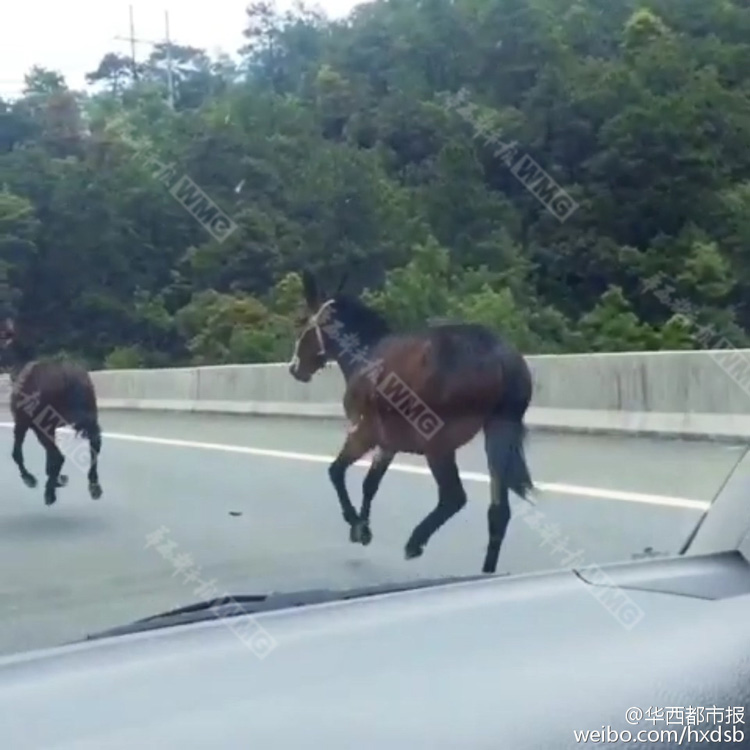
pixel 244 505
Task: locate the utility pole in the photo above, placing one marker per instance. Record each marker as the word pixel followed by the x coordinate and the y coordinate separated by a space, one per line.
pixel 168 46
pixel 170 78
pixel 132 44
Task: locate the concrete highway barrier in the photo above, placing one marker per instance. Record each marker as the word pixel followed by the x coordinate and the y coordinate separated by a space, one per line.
pixel 693 394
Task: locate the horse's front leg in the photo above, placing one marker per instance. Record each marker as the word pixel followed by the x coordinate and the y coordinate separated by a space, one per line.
pixel 359 440
pixel 19 434
pixel 380 462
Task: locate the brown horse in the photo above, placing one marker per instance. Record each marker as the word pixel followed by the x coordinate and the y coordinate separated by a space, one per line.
pixel 427 393
pixel 47 395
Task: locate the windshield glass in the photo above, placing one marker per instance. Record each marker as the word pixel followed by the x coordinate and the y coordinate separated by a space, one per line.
pixel 512 233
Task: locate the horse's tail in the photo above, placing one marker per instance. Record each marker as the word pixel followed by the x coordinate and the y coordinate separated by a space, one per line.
pixel 88 428
pixel 505 434
pixel 85 419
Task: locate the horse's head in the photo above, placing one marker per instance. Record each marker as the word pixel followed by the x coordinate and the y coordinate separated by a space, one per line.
pixel 7 338
pixel 313 348
pixel 8 346
pixel 15 350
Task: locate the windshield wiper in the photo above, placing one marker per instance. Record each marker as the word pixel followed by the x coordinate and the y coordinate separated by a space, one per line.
pixel 247 604
pixel 222 601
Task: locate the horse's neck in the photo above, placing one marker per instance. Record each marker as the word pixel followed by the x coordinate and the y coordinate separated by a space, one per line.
pixel 347 364
pixel 356 358
pixel 22 358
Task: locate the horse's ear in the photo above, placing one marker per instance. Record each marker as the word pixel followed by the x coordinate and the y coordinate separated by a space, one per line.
pixel 310 289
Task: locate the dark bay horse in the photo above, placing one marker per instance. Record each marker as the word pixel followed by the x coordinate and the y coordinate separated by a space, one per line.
pixel 427 393
pixel 47 395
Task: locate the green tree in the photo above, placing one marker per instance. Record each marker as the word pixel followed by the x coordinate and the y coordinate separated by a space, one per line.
pixel 418 146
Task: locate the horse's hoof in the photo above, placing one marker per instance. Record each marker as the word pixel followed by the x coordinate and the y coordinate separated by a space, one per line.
pixel 413 551
pixel 365 536
pixel 360 534
pixel 62 480
pixel 50 498
pixel 95 490
pixel 30 481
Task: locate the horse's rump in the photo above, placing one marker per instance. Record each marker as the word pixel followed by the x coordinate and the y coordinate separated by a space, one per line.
pixel 456 370
pixel 60 390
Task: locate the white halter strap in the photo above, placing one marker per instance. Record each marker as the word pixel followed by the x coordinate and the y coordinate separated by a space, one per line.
pixel 316 321
pixel 319 319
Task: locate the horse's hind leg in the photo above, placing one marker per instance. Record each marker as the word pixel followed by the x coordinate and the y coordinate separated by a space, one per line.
pixel 95 443
pixel 361 529
pixel 19 434
pixel 55 460
pixel 451 498
pixel 498 518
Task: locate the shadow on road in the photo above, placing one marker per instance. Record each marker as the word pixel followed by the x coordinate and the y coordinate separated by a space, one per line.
pixel 50 523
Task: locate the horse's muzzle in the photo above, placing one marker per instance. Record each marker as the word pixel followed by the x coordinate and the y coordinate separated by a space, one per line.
pixel 297 375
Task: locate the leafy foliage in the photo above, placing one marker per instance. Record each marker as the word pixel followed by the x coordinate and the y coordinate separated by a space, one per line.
pixel 340 146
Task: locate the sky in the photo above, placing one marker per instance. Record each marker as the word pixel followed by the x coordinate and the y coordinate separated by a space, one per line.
pixel 73 36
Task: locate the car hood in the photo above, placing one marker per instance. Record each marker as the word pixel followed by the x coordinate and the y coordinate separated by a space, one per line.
pixel 408 669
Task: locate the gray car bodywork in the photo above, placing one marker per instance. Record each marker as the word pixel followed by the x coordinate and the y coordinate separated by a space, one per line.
pixel 503 662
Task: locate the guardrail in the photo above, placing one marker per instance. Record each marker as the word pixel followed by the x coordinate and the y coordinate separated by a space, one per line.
pixel 681 394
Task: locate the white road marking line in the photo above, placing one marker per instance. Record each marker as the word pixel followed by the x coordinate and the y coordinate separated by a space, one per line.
pixel 469 476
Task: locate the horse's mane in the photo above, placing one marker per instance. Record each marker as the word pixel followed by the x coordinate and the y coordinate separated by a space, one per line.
pixel 355 315
pixel 23 351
